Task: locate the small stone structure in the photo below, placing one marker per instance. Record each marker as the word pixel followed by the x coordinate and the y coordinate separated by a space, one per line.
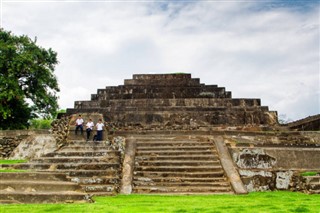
pixel 173 101
pixel 310 123
pixel 25 144
pixel 275 161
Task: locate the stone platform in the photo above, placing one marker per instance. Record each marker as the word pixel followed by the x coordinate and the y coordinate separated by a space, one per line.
pixel 168 100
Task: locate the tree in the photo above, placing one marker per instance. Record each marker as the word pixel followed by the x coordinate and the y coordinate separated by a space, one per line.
pixel 28 86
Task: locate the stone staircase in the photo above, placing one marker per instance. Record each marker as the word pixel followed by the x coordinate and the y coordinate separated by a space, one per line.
pixel 39 187
pixel 80 168
pixel 178 165
pixel 313 184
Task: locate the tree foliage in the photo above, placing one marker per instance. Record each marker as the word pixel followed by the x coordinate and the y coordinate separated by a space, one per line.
pixel 28 86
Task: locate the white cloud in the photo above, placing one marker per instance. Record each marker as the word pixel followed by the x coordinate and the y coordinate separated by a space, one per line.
pixel 259 50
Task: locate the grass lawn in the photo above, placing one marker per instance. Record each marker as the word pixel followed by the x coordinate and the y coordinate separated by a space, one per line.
pixel 254 202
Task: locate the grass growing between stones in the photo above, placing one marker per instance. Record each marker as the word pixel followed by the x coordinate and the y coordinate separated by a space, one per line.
pixel 309 173
pixel 254 202
pixel 11 170
pixel 2 161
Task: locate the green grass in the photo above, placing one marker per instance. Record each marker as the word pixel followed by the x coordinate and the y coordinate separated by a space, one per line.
pixel 2 161
pixel 12 161
pixel 11 170
pixel 254 202
pixel 309 173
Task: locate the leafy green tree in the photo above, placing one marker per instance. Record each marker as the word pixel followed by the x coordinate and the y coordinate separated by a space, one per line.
pixel 40 123
pixel 28 86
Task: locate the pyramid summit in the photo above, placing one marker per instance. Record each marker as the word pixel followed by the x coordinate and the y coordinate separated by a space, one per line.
pixel 173 100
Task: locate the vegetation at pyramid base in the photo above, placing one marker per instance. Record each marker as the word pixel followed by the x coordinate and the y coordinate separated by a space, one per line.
pixel 281 201
pixel 28 86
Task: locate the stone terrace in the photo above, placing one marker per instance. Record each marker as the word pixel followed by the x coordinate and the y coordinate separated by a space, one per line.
pixel 173 99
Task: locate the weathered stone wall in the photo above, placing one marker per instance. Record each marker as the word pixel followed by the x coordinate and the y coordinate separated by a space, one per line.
pixel 34 146
pixel 310 123
pixel 7 145
pixel 173 100
pixel 272 161
pixel 10 140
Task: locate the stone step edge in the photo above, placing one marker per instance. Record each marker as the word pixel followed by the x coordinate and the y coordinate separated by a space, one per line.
pixel 180 156
pixel 182 184
pixel 38 182
pixel 180 161
pixel 169 179
pixel 174 147
pixel 176 152
pixel 49 164
pixel 180 167
pixel 45 193
pixel 184 193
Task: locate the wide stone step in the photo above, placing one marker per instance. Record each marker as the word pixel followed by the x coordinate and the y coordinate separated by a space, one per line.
pixel 95 180
pixel 98 188
pixel 314 191
pixel 178 163
pixel 83 142
pixel 314 186
pixel 31 176
pixel 173 152
pixel 165 138
pixel 171 142
pixel 313 178
pixel 158 174
pixel 38 185
pixel 45 197
pixel 181 184
pixel 178 148
pixel 173 157
pixel 85 148
pixel 195 144
pixel 77 159
pixel 179 168
pixel 87 173
pixel 174 189
pixel 103 193
pixel 84 153
pixel 181 179
pixel 53 167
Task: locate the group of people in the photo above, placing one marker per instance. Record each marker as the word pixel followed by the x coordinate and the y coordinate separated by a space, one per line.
pixel 89 127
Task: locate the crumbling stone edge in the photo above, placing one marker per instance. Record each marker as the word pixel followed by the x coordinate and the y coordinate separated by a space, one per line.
pixel 228 166
pixel 128 166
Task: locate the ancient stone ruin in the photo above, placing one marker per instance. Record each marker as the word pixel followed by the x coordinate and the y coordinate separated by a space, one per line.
pixel 174 100
pixel 165 134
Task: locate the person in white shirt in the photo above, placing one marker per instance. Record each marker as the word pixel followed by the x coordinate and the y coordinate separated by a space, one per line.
pixel 79 123
pixel 99 126
pixel 89 127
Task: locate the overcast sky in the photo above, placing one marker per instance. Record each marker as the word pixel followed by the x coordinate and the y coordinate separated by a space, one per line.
pixel 255 49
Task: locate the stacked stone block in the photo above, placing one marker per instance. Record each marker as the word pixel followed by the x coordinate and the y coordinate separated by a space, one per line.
pixel 173 99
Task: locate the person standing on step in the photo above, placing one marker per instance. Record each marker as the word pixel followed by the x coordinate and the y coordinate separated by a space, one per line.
pixel 79 123
pixel 89 127
pixel 99 126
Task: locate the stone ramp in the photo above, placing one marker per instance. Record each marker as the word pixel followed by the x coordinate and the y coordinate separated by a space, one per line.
pixel 178 165
pixel 72 174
